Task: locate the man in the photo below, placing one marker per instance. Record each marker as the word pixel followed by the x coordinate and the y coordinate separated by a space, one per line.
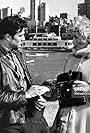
pixel 16 87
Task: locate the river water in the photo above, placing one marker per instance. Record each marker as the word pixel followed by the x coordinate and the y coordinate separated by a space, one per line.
pixel 43 66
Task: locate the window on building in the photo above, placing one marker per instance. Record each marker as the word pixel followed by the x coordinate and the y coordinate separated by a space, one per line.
pixel 49 44
pixel 44 44
pixel 34 44
pixel 54 44
pixel 39 44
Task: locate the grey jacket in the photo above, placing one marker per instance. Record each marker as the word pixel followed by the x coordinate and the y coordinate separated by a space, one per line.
pixel 12 88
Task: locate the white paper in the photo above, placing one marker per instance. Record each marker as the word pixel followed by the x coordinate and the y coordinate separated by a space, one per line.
pixel 50 112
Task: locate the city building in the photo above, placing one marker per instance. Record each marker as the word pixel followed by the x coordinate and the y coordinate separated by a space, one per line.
pixel 84 8
pixel 34 9
pixel 87 1
pixel 43 13
pixel 0 13
pixel 4 12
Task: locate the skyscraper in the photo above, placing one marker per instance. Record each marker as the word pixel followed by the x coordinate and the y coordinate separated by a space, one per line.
pixel 84 8
pixel 43 12
pixel 87 1
pixel 4 12
pixel 34 9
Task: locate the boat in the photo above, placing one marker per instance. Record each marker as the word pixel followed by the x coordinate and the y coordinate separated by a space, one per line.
pixel 47 44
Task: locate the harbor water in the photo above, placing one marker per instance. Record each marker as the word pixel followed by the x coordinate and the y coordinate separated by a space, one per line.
pixel 43 66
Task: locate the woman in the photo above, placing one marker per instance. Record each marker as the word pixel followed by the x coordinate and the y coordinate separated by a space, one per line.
pixel 76 119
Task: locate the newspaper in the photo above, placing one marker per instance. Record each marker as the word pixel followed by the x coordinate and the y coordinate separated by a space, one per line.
pixel 50 112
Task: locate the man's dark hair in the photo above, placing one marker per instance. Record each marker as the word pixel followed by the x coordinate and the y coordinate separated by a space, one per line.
pixel 10 25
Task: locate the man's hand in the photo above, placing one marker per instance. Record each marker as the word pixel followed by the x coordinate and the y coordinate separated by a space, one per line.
pixel 40 103
pixel 36 90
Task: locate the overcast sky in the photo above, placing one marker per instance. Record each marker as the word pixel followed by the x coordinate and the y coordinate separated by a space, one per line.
pixel 55 6
pixel 59 6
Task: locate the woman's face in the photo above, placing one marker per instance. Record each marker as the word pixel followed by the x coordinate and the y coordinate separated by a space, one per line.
pixel 16 41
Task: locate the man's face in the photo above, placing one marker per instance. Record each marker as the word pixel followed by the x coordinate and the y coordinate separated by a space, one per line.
pixel 16 41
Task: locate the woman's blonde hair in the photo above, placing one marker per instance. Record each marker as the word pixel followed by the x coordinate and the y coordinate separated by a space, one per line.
pixel 82 24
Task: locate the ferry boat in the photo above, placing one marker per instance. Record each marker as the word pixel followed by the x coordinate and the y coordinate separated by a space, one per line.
pixel 47 44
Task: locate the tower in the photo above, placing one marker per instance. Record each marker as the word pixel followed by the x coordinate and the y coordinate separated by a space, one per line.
pixel 87 1
pixel 34 9
pixel 43 12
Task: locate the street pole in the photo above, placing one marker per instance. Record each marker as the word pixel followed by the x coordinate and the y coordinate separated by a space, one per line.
pixel 36 28
pixel 59 30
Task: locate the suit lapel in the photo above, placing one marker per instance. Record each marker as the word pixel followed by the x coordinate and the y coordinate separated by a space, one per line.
pixel 8 64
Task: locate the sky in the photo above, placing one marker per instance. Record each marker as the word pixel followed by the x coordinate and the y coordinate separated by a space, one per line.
pixel 61 6
pixel 55 6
